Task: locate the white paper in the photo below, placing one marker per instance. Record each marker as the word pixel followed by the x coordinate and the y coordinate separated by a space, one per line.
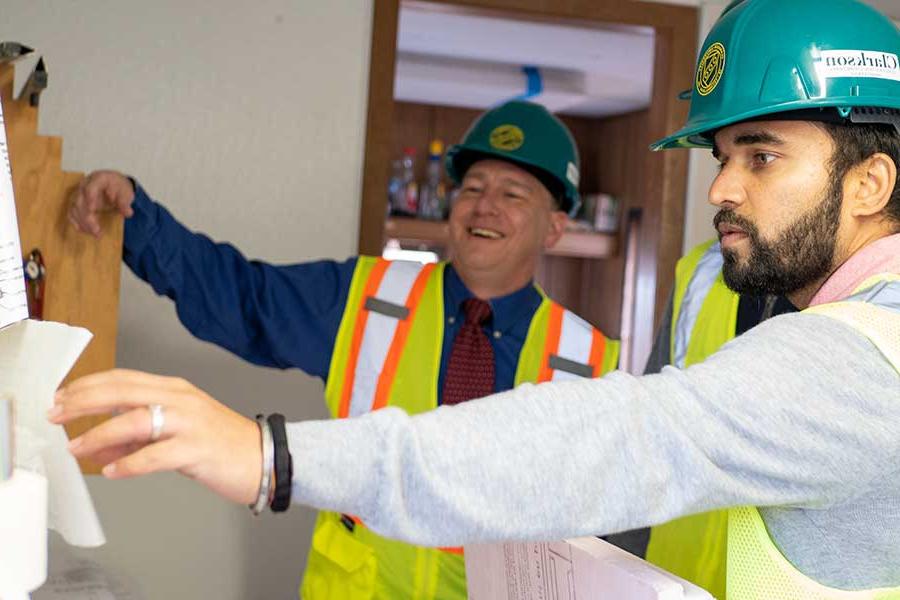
pixel 582 568
pixel 23 534
pixel 34 358
pixel 13 301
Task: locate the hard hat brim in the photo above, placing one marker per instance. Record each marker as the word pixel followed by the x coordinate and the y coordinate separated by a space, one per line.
pixel 699 133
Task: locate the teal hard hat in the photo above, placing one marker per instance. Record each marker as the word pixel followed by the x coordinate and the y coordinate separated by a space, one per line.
pixel 527 135
pixel 838 58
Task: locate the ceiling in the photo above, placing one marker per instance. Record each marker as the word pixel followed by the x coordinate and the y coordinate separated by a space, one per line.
pixel 477 61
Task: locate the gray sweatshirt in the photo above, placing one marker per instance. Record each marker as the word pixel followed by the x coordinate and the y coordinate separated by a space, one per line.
pixel 799 416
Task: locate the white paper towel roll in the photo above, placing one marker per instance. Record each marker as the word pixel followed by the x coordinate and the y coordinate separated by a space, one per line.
pixel 23 534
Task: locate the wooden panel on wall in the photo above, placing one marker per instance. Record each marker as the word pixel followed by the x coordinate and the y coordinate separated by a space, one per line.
pixel 621 163
pixel 82 280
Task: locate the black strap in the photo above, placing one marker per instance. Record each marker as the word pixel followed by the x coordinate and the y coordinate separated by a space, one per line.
pixel 284 465
pixel 878 116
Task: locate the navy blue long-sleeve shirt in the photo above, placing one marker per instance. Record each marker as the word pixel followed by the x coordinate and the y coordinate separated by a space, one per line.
pixel 286 316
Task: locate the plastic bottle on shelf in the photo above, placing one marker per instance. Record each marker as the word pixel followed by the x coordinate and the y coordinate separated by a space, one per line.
pixel 395 187
pixel 433 198
pixel 408 196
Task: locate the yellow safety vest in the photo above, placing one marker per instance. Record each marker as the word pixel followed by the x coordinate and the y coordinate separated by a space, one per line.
pixel 388 353
pixel 704 317
pixel 756 568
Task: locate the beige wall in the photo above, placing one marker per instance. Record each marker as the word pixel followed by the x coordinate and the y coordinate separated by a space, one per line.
pixel 247 120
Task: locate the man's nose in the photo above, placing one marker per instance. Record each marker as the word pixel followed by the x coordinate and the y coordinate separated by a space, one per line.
pixel 727 189
pixel 488 201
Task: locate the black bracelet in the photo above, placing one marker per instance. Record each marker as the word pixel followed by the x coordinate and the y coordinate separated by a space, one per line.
pixel 284 465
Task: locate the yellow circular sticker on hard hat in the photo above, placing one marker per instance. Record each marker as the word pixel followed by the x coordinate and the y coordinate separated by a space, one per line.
pixel 507 138
pixel 710 70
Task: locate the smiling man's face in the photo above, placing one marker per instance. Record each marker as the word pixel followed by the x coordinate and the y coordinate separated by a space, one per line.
pixel 502 219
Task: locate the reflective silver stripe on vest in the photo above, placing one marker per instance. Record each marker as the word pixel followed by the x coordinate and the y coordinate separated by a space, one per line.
pixel 702 280
pixel 379 333
pixel 884 294
pixel 573 356
pixel 565 366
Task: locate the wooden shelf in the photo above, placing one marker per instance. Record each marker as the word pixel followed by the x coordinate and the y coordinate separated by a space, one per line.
pixel 580 244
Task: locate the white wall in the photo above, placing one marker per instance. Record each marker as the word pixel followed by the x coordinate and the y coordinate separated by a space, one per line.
pixel 247 120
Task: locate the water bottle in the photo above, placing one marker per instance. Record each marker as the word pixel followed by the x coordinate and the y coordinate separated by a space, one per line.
pixel 433 199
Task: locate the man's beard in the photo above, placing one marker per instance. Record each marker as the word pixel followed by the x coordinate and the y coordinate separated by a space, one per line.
pixel 802 254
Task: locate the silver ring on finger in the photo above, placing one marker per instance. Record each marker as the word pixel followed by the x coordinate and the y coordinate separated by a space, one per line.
pixel 157 421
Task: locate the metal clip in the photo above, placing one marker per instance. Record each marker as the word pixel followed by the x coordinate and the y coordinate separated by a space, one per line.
pixel 11 51
pixel 36 83
pixel 35 283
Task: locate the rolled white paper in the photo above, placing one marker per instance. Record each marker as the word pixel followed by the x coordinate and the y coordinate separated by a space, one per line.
pixel 23 534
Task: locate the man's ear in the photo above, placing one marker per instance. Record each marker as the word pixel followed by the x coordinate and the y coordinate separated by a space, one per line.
pixel 558 220
pixel 869 186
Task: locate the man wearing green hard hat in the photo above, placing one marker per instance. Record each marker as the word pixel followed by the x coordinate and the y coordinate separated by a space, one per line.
pixel 382 333
pixel 805 80
pixel 791 427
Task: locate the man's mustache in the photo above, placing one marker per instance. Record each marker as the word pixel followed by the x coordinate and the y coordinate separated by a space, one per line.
pixel 729 217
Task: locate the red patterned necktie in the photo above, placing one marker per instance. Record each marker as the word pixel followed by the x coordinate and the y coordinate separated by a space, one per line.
pixel 470 371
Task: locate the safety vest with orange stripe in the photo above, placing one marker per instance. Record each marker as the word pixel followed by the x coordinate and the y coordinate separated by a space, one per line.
pixel 388 353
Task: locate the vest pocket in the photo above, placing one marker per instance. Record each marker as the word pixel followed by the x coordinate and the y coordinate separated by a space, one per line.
pixel 339 566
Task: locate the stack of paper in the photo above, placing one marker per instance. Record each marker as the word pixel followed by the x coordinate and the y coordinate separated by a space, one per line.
pixel 582 569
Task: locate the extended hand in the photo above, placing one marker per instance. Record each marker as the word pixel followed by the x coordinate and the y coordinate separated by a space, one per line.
pixel 101 191
pixel 200 438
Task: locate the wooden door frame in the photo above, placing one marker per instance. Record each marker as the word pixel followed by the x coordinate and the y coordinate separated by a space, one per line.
pixel 666 182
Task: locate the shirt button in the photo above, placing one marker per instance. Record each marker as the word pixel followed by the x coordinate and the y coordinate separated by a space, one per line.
pixel 451 320
pixel 497 334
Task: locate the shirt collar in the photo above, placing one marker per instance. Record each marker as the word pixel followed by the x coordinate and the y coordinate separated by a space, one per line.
pixel 507 310
pixel 881 256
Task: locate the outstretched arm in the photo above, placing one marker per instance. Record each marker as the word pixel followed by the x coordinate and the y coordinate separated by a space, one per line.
pixel 781 416
pixel 279 316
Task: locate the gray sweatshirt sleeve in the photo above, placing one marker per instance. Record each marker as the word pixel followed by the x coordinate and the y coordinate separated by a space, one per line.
pixel 800 411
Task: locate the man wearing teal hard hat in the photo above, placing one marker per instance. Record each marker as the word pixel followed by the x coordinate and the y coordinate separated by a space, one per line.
pixel 806 82
pixel 792 427
pixel 383 333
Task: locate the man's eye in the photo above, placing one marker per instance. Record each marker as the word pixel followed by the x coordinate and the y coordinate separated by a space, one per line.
pixel 763 158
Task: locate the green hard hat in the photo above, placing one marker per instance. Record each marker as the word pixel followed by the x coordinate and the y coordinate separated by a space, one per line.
pixel 837 58
pixel 527 135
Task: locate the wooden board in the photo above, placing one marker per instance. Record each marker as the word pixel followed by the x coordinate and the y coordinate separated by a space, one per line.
pixel 82 285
